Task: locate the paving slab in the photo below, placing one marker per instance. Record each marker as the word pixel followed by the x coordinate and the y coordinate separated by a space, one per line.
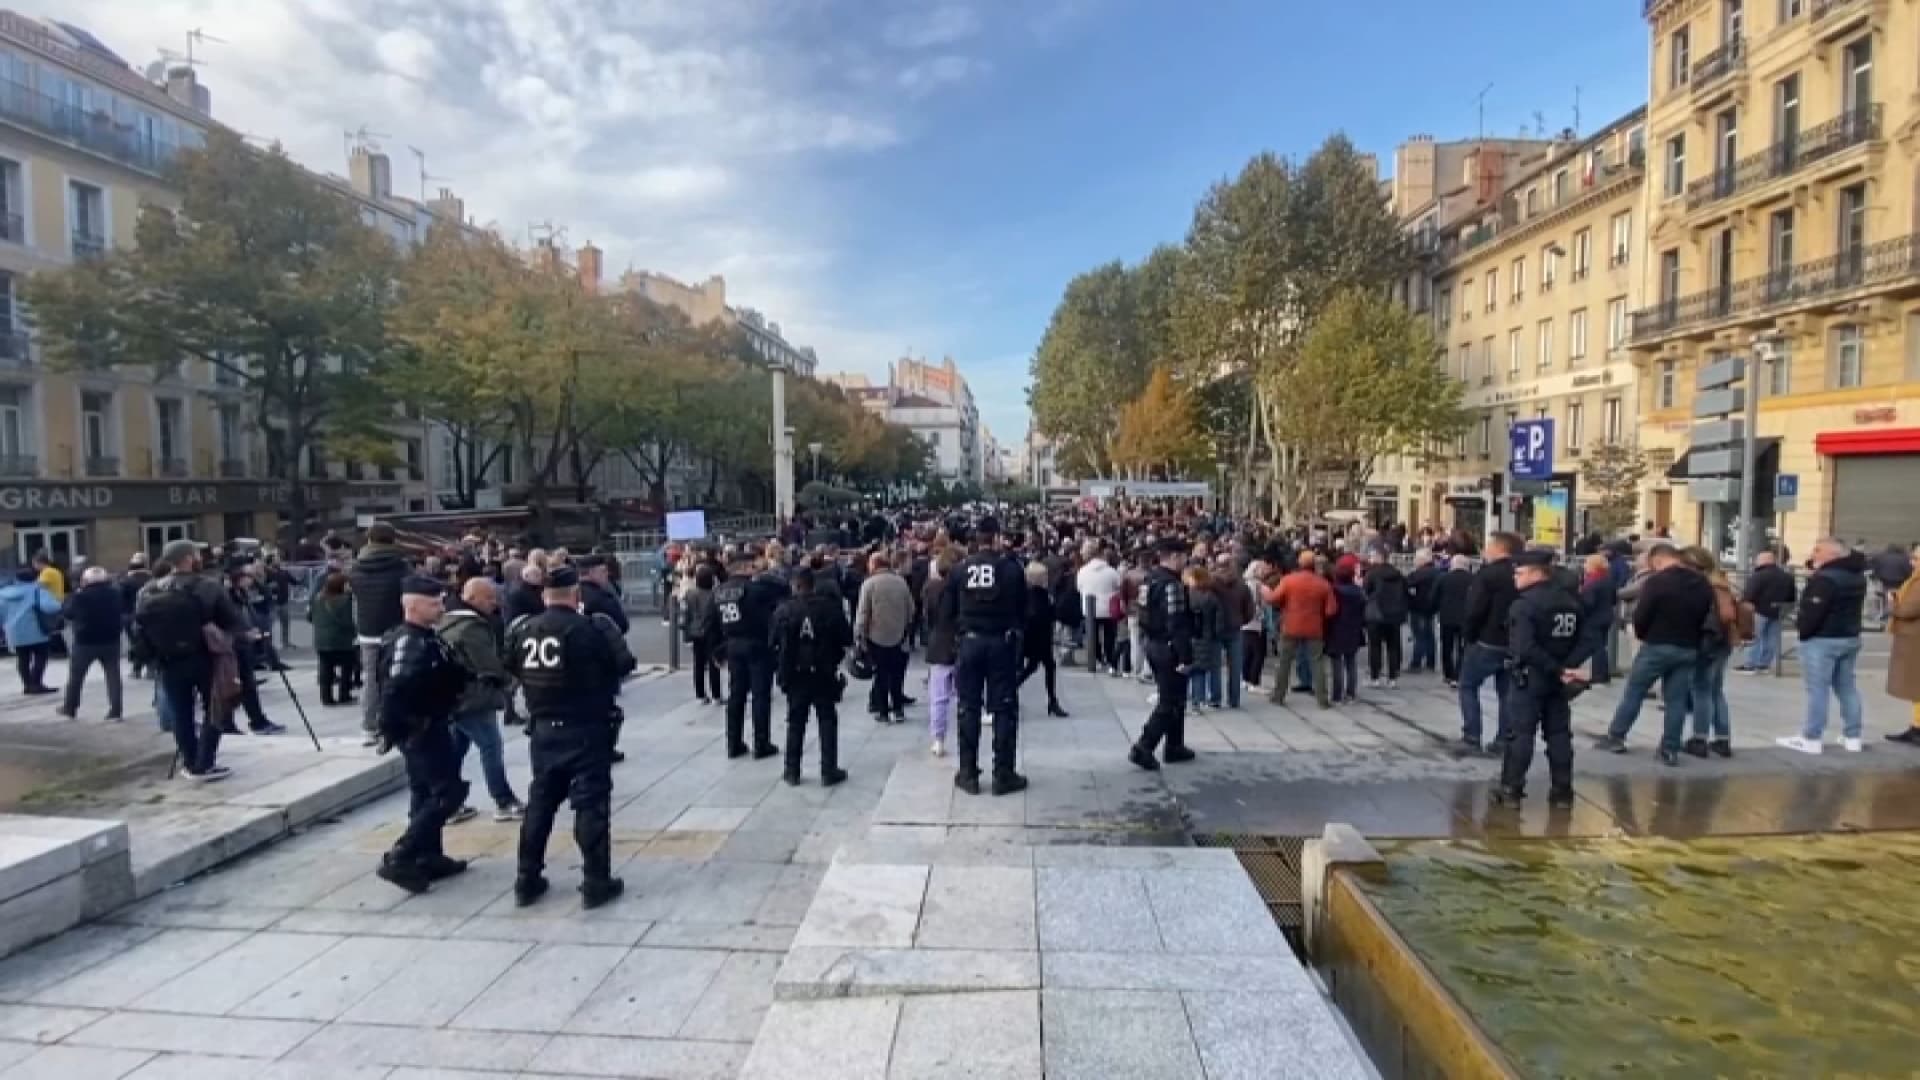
pixel 231 1036
pixel 1118 1035
pixel 25 974
pixel 440 983
pixel 847 1040
pixel 77 1063
pixel 966 1036
pixel 228 980
pixel 1209 911
pixel 650 992
pixel 334 981
pixel 354 1045
pixel 865 907
pixel 1172 971
pixel 1254 1036
pixel 43 1024
pixel 984 907
pixel 1095 908
pixel 118 981
pixel 651 1059
pixel 736 1001
pixel 812 973
pixel 542 990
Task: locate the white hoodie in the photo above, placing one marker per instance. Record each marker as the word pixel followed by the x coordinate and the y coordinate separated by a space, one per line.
pixel 1099 582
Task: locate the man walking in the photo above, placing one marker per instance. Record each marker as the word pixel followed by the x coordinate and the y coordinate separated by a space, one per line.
pixel 1485 633
pixel 1306 604
pixel 170 622
pixel 880 622
pixel 811 636
pixel 375 578
pixel 420 685
pixel 95 614
pixel 1769 588
pixel 1167 623
pixel 1829 626
pixel 1669 617
pixel 471 631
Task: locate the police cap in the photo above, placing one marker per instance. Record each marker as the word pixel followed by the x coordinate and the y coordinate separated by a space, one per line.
pixel 591 562
pixel 1534 557
pixel 987 526
pixel 562 577
pixel 421 585
pixel 1171 545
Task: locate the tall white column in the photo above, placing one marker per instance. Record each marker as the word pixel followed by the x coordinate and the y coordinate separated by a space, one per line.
pixel 782 447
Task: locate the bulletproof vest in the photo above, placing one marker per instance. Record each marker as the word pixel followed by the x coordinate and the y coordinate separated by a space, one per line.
pixel 1556 619
pixel 738 609
pixel 987 591
pixel 538 650
pixel 807 637
pixel 1156 616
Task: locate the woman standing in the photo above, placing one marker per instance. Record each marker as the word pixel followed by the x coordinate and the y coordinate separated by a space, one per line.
pixel 1903 667
pixel 1346 632
pixel 1598 599
pixel 1253 633
pixel 698 621
pixel 1039 635
pixel 1203 678
pixel 1710 671
pixel 331 615
pixel 943 650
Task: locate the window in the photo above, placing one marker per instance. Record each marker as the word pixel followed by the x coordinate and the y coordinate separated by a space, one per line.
pixel 15 436
pixel 1540 412
pixel 1582 253
pixel 169 436
pixel 1852 238
pixel 1779 254
pixel 1610 420
pixel 1858 71
pixel 1786 119
pixel 96 425
pixel 1545 358
pixel 1576 337
pixel 1460 446
pixel 1679 58
pixel 416 465
pixel 1664 389
pixel 1519 275
pixel 1445 307
pixel 1733 22
pixel 1616 323
pixel 8 320
pixel 1792 9
pixel 1576 426
pixel 1513 353
pixel 13 204
pixel 232 438
pixel 1622 239
pixel 1466 300
pixel 87 219
pixel 1493 289
pixel 1549 266
pixel 1486 361
pixel 1670 275
pixel 1676 180
pixel 1466 362
pixel 1780 372
pixel 1849 357
pixel 1562 187
pixel 316 462
pixel 1726 149
pixel 158 534
pixel 1486 435
pixel 1533 201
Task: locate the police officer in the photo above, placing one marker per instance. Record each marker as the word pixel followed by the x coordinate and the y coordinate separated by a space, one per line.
pixel 1167 623
pixel 597 596
pixel 421 686
pixel 570 673
pixel 987 601
pixel 1545 645
pixel 745 605
pixel 811 636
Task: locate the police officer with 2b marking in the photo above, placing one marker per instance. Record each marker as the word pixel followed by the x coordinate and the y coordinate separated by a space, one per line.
pixel 987 601
pixel 1545 647
pixel 745 605
pixel 570 671
pixel 1167 624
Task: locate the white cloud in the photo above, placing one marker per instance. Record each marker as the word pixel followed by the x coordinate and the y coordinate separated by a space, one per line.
pixel 928 27
pixel 930 75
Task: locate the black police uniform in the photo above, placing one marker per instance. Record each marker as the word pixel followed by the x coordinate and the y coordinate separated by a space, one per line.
pixel 812 636
pixel 421 687
pixel 987 600
pixel 570 673
pixel 1544 639
pixel 745 605
pixel 599 599
pixel 1167 624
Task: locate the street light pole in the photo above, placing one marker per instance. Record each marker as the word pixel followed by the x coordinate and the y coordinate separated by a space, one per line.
pixel 782 447
pixel 1761 365
pixel 815 447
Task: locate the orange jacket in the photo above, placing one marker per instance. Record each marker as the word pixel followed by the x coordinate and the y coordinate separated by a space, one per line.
pixel 1306 603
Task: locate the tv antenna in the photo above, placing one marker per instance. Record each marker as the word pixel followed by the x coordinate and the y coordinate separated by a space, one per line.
pixel 198 36
pixel 362 139
pixel 1576 109
pixel 1481 102
pixel 424 174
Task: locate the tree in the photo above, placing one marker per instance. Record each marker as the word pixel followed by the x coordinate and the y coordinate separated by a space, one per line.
pixel 1363 386
pixel 1157 434
pixel 261 274
pixel 1614 471
pixel 1096 354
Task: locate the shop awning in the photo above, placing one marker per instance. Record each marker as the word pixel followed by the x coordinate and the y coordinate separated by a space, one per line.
pixel 1849 443
pixel 1766 459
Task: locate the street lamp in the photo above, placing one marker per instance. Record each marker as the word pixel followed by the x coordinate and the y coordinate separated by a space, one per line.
pixel 815 448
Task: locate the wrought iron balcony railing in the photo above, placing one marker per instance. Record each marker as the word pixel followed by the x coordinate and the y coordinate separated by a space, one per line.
pixel 233 468
pixel 1788 156
pixel 95 131
pixel 19 465
pixel 1719 63
pixel 102 465
pixel 1787 286
pixel 173 468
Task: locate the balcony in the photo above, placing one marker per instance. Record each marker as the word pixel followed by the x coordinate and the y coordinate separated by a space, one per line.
pixel 17 466
pixel 13 228
pixel 1719 64
pixel 88 246
pixel 102 466
pixel 233 468
pixel 1824 8
pixel 16 351
pixel 1851 128
pixel 1884 263
pixel 172 468
pixel 95 132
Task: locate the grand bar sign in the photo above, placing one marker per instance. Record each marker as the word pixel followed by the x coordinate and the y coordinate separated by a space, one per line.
pixel 42 500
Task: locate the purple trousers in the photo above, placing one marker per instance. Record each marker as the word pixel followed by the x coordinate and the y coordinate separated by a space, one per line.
pixel 940 705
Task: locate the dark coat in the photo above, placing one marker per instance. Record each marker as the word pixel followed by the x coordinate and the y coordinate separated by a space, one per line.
pixel 521 599
pixel 1386 591
pixel 1450 597
pixel 1208 620
pixel 96 614
pixel 376 577
pixel 1422 590
pixel 332 619
pixel 1831 605
pixel 943 636
pixel 1347 630
pixel 1768 588
pixel 1598 602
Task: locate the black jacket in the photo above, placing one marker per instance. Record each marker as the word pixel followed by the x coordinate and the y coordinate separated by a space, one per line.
pixel 1423 597
pixel 1450 597
pixel 97 614
pixel 600 600
pixel 1545 631
pixel 1831 606
pixel 1387 600
pixel 131 583
pixel 376 577
pixel 1598 599
pixel 812 636
pixel 421 682
pixel 1672 608
pixel 568 667
pixel 943 631
pixel 521 600
pixel 1487 603
pixel 1768 588
pixel 1891 568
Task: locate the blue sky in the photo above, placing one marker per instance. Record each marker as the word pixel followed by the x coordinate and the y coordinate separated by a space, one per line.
pixel 879 175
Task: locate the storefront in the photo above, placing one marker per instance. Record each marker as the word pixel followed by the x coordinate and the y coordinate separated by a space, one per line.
pixel 109 521
pixel 1383 505
pixel 1470 501
pixel 1874 485
pixel 1542 510
pixel 1716 514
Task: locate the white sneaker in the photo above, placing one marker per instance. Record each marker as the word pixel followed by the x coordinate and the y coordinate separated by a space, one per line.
pixel 1853 746
pixel 1373 683
pixel 939 749
pixel 1795 742
pixel 1393 684
pixel 987 719
pixel 1152 700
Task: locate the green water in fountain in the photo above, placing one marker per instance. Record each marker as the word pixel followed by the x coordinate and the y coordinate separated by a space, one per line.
pixel 1750 957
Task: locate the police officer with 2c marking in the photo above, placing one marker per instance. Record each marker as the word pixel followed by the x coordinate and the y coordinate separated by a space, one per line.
pixel 811 635
pixel 746 604
pixel 1545 645
pixel 987 601
pixel 1167 623
pixel 569 666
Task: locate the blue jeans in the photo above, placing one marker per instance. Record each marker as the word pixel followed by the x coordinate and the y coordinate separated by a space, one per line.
pixel 1423 650
pixel 1710 695
pixel 1302 669
pixel 478 728
pixel 1203 686
pixel 1481 663
pixel 1766 642
pixel 1670 665
pixel 1235 655
pixel 1828 664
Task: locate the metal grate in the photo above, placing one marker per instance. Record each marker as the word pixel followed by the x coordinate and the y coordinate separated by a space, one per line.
pixel 1273 864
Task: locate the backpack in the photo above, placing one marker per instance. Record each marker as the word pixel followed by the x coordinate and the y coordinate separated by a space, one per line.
pixel 170 624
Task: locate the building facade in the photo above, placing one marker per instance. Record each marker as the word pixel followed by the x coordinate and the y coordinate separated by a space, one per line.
pixel 1530 297
pixel 1784 222
pixel 935 403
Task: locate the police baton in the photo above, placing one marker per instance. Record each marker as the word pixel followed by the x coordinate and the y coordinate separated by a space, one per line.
pixel 299 708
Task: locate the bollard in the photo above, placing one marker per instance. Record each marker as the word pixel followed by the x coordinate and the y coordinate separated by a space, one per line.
pixel 672 608
pixel 1090 628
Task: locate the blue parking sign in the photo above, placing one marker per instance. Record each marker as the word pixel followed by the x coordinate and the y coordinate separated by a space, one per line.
pixel 1532 442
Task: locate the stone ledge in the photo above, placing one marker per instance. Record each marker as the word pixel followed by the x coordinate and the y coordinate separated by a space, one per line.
pixel 58 872
pixel 811 974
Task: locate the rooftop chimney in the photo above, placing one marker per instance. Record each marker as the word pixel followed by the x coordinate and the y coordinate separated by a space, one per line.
pixel 449 206
pixel 184 87
pixel 589 268
pixel 371 173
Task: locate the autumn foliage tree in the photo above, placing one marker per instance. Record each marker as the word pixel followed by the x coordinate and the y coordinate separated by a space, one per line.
pixel 1157 436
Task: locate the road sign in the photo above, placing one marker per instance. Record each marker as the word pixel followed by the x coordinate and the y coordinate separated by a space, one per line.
pixel 1714 403
pixel 1786 492
pixel 1532 457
